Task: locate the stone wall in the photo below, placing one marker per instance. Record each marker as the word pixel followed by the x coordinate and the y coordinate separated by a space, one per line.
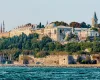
pixel 18 32
pixel 49 60
pixel 52 33
pixel 26 29
pixel 5 34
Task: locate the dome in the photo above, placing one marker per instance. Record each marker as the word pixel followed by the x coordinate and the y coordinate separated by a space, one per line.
pixel 52 25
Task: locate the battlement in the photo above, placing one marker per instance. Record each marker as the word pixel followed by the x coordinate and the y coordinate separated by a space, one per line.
pixel 27 29
pixel 26 26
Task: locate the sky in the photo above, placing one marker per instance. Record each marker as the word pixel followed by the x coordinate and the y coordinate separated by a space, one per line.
pixel 19 12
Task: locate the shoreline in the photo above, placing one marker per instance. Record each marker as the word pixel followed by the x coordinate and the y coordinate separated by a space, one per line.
pixel 67 66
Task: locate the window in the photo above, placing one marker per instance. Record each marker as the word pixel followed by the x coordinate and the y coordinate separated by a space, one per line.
pixel 96 34
pixel 60 31
pixel 91 34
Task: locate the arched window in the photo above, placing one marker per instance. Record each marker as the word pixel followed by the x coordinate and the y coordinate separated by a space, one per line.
pixel 60 31
pixel 96 34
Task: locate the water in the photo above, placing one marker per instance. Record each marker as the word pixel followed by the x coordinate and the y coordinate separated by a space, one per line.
pixel 49 73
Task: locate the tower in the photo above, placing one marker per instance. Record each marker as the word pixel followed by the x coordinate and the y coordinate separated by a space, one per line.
pixel 3 26
pixel 47 23
pixel 1 29
pixel 94 20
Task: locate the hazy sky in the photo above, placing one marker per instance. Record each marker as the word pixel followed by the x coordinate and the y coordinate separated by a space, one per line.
pixel 18 12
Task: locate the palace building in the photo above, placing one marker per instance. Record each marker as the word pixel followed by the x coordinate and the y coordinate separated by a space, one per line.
pixel 56 33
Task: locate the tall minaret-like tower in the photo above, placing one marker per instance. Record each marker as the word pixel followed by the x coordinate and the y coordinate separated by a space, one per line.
pixel 94 20
pixel 47 23
pixel 3 26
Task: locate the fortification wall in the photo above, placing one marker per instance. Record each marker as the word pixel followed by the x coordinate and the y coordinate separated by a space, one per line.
pixel 49 60
pixel 19 32
pixel 26 29
pixel 5 34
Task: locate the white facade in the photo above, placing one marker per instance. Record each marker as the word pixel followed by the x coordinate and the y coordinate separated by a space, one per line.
pixel 57 33
pixel 84 34
pixel 60 33
pixel 93 33
pixel 77 30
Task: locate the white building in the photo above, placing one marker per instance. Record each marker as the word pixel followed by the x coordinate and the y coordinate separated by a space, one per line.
pixel 90 33
pixel 57 33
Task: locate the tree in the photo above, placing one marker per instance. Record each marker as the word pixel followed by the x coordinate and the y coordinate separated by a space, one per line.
pixel 88 25
pixel 42 54
pixel 75 25
pixel 95 29
pixel 58 46
pixel 96 47
pixel 83 25
pixel 79 59
pixel 58 23
pixel 88 38
pixel 51 46
pixel 72 47
pixel 46 40
pixel 72 36
pixel 40 25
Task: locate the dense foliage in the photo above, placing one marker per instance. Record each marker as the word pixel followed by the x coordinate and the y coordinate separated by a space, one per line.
pixel 57 23
pixel 30 44
pixel 72 37
pixel 95 29
pixel 93 47
pixel 40 25
pixel 79 25
pixel 24 44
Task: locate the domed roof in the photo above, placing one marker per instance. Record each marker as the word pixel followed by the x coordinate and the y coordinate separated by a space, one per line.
pixel 52 25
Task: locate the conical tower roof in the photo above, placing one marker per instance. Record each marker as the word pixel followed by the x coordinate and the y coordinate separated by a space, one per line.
pixel 95 16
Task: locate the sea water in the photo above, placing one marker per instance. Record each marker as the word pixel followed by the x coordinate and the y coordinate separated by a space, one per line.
pixel 49 73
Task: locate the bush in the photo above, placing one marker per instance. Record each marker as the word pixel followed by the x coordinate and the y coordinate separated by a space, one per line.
pixel 95 29
pixel 42 54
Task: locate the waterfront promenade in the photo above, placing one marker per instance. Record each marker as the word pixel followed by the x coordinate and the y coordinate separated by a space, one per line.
pixel 70 65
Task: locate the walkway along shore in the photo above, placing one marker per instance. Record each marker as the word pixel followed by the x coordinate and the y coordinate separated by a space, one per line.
pixel 70 65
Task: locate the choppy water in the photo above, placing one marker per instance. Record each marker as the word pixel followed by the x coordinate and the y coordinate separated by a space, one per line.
pixel 49 73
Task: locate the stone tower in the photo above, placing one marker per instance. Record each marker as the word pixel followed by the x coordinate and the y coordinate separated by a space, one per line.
pixel 3 26
pixel 94 20
pixel 47 23
pixel 1 29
